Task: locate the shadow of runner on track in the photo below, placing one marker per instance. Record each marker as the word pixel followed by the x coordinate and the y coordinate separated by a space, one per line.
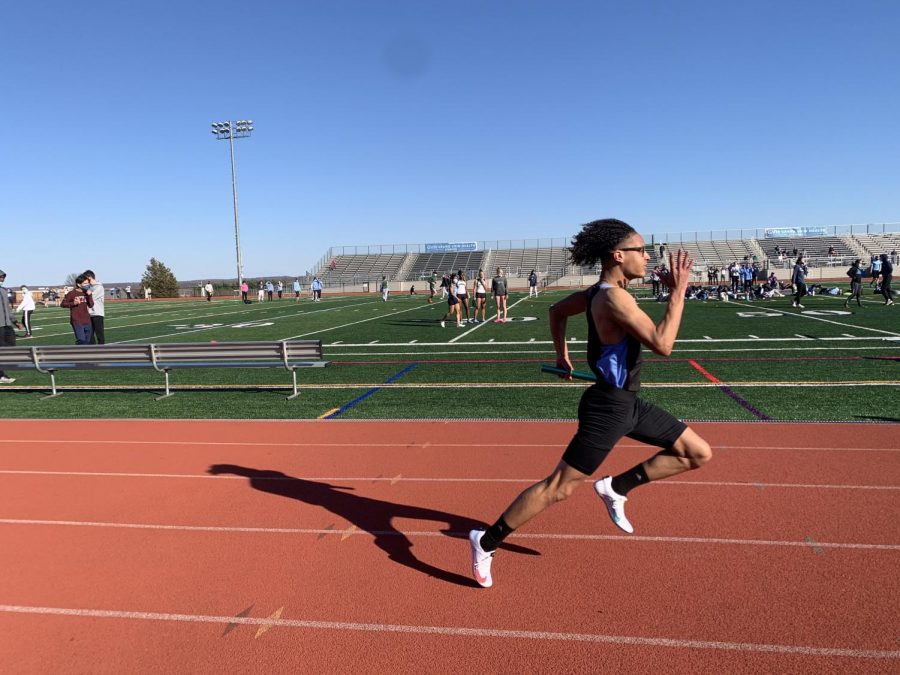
pixel 375 516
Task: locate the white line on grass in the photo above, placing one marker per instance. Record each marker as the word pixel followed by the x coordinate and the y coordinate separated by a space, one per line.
pixel 205 328
pixel 481 325
pixel 458 631
pixel 819 318
pixel 354 323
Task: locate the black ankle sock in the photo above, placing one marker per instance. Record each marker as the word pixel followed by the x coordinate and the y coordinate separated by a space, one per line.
pixel 495 534
pixel 629 480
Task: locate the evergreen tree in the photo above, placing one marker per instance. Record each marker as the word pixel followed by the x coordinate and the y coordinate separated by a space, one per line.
pixel 160 279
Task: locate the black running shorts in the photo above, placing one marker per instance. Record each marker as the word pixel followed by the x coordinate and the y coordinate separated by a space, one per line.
pixel 605 415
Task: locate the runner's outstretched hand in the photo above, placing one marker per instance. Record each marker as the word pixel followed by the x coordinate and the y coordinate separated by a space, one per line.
pixel 679 273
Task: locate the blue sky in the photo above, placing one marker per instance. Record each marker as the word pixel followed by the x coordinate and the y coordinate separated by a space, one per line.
pixel 424 121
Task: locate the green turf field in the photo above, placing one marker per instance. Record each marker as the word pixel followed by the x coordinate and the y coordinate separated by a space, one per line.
pixel 393 360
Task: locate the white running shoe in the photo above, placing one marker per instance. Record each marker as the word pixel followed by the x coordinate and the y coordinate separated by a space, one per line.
pixel 799 305
pixel 7 380
pixel 481 560
pixel 443 324
pixel 615 503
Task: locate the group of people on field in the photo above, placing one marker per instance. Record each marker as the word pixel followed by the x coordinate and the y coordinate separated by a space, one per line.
pixel 455 288
pixel 267 290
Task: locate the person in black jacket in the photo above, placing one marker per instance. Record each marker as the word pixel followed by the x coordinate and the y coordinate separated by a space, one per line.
pixel 887 273
pixel 855 273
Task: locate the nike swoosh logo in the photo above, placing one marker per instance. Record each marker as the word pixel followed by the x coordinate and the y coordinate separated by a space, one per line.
pixel 480 579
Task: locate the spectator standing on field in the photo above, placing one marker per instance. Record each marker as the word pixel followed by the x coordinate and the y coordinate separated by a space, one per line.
pixel 532 284
pixel 7 332
pixel 245 289
pixel 26 306
pixel 876 270
pixel 208 290
pixel 270 290
pixel 432 280
pixel 887 274
pixel 316 289
pixel 280 289
pixel 260 292
pixel 298 289
pixel 79 301
pixel 385 289
pixel 98 309
pixel 798 278
pixel 500 292
pixel 148 293
pixel 855 273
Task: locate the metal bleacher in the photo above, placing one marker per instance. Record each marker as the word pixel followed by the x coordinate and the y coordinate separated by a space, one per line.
pixel 426 263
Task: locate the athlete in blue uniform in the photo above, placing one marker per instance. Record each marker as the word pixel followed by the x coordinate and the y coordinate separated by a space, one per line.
pixel 610 409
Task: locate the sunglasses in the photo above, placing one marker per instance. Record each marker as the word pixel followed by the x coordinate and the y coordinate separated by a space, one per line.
pixel 639 249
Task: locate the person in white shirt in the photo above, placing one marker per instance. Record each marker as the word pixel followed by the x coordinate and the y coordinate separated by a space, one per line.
pixel 462 294
pixel 480 296
pixel 26 306
pixel 208 289
pixel 148 293
pixel 98 311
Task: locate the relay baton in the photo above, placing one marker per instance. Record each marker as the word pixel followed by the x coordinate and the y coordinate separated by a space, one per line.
pixel 575 374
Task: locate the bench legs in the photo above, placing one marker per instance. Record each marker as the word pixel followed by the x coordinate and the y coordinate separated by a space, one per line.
pixel 168 391
pixel 54 393
pixel 296 392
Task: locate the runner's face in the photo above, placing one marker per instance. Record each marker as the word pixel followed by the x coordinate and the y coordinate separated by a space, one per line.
pixel 634 263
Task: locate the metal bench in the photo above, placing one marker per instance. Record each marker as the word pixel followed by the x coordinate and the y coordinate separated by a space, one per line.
pixel 288 354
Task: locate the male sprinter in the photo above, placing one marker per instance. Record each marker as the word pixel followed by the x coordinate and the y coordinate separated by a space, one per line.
pixel 610 409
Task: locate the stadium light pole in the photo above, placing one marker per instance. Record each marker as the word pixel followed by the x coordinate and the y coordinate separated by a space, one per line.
pixel 231 130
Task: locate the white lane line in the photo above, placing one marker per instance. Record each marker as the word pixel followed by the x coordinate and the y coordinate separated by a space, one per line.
pixel 481 325
pixel 458 631
pixel 352 323
pixel 409 533
pixel 755 337
pixel 818 318
pixel 409 479
pixel 214 327
pixel 65 442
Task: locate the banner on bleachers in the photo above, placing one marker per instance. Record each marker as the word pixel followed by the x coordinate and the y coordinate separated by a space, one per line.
pixel 795 232
pixel 451 248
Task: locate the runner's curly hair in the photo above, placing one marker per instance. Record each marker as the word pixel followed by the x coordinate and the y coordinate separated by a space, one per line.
pixel 597 240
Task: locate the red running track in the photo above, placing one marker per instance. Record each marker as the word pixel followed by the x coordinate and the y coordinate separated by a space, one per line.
pixel 338 546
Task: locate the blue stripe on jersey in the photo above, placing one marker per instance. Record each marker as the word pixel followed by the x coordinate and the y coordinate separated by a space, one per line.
pixel 612 363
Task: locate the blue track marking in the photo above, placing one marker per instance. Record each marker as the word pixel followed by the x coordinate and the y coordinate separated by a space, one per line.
pixel 359 399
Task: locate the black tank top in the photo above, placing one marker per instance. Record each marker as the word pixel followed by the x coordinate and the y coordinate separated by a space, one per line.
pixel 618 365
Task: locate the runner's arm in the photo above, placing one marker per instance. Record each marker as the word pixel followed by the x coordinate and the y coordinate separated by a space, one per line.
pixel 559 315
pixel 660 338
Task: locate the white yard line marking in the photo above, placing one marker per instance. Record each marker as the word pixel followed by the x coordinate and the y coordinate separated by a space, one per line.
pixel 818 318
pixel 411 479
pixel 352 323
pixel 458 631
pixel 481 325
